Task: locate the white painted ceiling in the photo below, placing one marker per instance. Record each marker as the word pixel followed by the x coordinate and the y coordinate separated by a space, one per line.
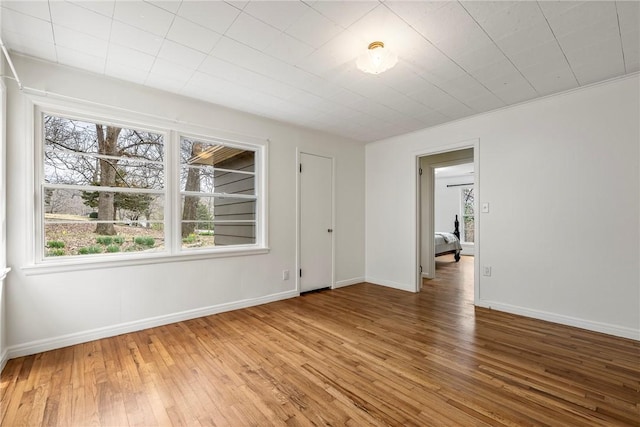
pixel 465 169
pixel 294 61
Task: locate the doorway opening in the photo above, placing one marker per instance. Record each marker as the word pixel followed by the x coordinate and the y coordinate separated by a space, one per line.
pixel 446 204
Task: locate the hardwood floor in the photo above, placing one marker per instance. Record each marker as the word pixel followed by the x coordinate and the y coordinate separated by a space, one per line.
pixel 360 355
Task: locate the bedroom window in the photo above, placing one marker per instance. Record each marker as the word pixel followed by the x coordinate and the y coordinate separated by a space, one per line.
pixel 113 191
pixel 103 188
pixel 468 224
pixel 218 194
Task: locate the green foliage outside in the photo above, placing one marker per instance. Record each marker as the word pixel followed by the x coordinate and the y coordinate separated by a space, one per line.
pixel 145 241
pixel 191 238
pixel 57 244
pixel 56 252
pixel 104 240
pixel 113 248
pixel 203 214
pixel 87 250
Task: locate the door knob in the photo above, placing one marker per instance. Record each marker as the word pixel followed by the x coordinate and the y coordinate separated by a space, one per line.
pixel 330 230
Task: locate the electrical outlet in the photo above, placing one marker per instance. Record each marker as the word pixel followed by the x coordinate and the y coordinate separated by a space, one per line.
pixel 486 271
pixel 285 274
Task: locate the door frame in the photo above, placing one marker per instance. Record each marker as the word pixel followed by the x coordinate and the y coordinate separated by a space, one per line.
pixel 299 154
pixel 445 148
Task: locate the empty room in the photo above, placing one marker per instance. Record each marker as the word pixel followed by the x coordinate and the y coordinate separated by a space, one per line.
pixel 236 213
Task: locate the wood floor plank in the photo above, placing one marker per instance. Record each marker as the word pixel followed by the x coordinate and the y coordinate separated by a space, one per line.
pixel 359 355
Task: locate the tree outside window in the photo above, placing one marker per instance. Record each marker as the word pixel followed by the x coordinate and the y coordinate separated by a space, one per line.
pixel 468 214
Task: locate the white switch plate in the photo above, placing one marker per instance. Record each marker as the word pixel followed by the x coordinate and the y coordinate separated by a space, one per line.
pixel 285 274
pixel 486 271
pixel 485 207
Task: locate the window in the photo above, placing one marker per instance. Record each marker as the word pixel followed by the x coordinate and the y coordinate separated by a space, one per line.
pixel 468 223
pixel 218 190
pixel 103 189
pixel 114 191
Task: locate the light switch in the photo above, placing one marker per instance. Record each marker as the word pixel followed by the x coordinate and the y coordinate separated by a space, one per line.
pixel 485 208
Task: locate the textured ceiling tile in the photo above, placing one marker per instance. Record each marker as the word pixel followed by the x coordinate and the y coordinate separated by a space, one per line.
pixel 514 17
pixel 135 38
pixel 103 7
pixel 80 19
pixel 464 87
pixel 37 47
pixel 192 35
pixel 171 70
pixel 80 42
pixel 125 72
pixel 313 29
pixel 288 49
pixel 180 54
pixel 83 60
pixel 480 58
pixel 132 58
pixel 527 38
pixel 162 82
pixel 279 14
pixel 549 54
pixel 631 49
pixel 515 92
pixel 144 16
pixel 214 15
pixel 583 15
pixel 252 32
pixel 30 27
pixel 296 61
pixel 589 35
pixel 168 5
pixel 344 13
pixel 37 9
pixel 484 102
pixel 557 81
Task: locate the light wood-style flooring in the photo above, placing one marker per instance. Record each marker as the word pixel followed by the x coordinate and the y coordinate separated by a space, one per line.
pixel 360 355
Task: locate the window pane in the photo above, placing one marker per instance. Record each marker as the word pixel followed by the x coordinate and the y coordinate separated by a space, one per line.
pixel 86 221
pixel 83 153
pixel 218 221
pixel 469 229
pixel 69 168
pixel 215 168
pixel 207 180
pixel 77 205
pixel 71 219
pixel 468 225
pixel 80 238
pixel 220 156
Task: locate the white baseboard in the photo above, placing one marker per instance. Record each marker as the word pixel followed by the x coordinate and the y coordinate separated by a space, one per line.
pixel 391 284
pixel 47 344
pixel 605 328
pixel 4 358
pixel 348 282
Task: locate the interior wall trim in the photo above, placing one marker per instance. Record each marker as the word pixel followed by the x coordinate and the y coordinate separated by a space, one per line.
pixel 605 328
pixel 47 344
pixel 348 282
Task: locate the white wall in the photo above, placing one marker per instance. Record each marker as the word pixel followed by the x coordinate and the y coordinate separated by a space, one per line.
pixel 50 310
pixel 447 204
pixel 3 270
pixel 561 176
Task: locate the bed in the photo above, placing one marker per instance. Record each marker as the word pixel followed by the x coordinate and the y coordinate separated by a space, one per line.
pixel 449 243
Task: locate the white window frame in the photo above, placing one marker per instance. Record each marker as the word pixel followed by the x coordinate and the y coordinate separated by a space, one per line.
pixel 172 131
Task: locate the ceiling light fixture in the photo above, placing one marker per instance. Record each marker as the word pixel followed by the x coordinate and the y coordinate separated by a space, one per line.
pixel 376 59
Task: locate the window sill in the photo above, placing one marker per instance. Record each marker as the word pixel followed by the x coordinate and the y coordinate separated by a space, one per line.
pixel 90 264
